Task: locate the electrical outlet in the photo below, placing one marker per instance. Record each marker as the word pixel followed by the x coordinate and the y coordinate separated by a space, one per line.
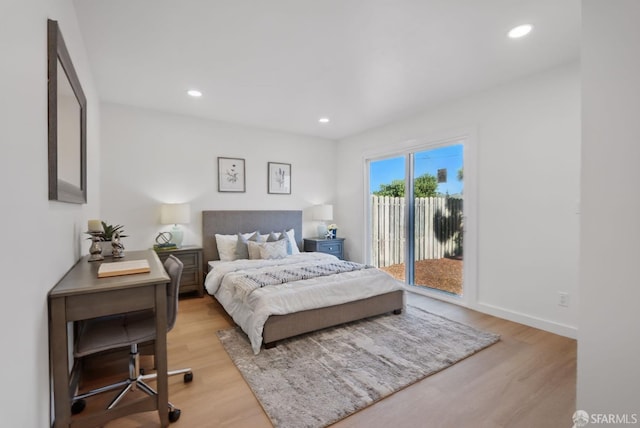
pixel 563 299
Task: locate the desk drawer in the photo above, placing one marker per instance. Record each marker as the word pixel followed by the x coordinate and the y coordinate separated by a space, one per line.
pixel 91 305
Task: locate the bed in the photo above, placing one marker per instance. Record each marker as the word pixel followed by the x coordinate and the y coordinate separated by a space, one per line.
pixel 348 296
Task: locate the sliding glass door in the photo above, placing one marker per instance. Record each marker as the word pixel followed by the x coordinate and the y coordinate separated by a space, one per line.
pixel 417 223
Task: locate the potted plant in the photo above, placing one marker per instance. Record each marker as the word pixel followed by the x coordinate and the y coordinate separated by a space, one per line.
pixel 109 231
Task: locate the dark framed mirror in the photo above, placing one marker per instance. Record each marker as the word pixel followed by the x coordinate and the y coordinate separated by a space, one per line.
pixel 67 123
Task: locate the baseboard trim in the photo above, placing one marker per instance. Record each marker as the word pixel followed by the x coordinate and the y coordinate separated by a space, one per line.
pixel 531 321
pixel 497 311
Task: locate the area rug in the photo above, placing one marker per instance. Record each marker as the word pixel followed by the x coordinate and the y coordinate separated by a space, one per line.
pixel 316 379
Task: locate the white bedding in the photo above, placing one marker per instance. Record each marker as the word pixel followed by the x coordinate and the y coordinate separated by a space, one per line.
pixel 250 311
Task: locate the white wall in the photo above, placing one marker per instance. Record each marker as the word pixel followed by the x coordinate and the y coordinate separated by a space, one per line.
pixel 609 338
pixel 41 240
pixel 149 158
pixel 528 147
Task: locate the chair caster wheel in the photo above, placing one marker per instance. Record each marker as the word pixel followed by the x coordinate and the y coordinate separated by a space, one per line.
pixel 78 406
pixel 174 415
pixel 142 371
pixel 188 377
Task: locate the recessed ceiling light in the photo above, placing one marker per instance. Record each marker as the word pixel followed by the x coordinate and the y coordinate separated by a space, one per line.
pixel 194 93
pixel 323 120
pixel 520 31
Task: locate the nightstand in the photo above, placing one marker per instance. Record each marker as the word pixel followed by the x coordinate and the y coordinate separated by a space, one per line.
pixel 192 278
pixel 329 246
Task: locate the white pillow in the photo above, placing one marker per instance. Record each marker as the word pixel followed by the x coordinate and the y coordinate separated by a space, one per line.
pixel 227 246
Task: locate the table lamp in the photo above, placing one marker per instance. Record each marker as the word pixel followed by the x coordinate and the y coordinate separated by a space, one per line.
pixel 175 214
pixel 323 213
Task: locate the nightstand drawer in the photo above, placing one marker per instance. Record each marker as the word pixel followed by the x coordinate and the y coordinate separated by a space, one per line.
pixel 334 247
pixel 192 278
pixel 189 260
pixel 189 277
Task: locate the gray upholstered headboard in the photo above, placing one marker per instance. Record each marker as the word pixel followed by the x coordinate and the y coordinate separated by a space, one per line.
pixel 232 222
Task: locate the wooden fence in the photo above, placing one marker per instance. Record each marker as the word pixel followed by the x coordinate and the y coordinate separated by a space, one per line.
pixel 438 229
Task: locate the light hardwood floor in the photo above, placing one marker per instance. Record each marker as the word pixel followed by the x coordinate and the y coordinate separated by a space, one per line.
pixel 528 379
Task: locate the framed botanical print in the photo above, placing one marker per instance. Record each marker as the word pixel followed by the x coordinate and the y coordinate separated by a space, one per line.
pixel 279 178
pixel 231 175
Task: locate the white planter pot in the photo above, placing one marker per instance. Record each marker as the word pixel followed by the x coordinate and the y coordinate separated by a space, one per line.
pixel 106 248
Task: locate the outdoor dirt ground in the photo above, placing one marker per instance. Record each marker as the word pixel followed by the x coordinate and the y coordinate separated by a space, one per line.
pixel 444 274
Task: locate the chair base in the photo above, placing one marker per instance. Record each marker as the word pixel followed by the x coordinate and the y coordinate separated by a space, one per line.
pixel 136 379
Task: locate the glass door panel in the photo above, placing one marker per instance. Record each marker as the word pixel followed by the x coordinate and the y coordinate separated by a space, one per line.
pixel 438 219
pixel 387 215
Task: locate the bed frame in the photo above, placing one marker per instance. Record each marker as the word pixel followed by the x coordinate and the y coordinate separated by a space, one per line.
pixel 280 327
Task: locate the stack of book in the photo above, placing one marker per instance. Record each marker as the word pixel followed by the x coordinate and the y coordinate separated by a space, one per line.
pixel 164 247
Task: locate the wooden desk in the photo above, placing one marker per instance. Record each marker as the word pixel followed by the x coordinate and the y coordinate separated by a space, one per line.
pixel 81 295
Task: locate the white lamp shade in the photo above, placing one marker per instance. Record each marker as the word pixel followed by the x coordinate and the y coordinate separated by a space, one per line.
pixel 323 212
pixel 175 214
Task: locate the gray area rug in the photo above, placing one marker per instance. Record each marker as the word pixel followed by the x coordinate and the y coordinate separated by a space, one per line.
pixel 316 379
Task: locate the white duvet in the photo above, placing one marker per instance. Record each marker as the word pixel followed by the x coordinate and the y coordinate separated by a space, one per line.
pixel 250 311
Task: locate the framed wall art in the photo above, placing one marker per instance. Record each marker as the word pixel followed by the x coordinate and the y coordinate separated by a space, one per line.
pixel 279 178
pixel 231 175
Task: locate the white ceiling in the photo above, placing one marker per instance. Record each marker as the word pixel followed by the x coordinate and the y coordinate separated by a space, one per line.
pixel 283 64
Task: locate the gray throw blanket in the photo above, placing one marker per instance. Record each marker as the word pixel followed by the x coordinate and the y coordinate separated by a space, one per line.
pixel 296 273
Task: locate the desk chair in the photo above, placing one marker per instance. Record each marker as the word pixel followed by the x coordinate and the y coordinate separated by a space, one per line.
pixel 130 329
